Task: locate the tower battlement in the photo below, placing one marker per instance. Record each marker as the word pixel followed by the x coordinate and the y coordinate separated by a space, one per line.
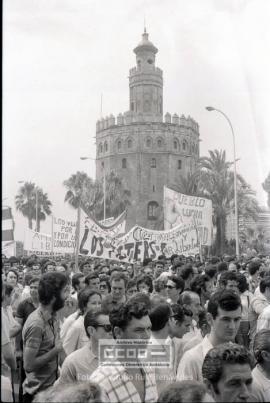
pixel 128 118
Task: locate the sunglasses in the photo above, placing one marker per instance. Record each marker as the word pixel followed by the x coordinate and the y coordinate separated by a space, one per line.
pixel 170 287
pixel 107 328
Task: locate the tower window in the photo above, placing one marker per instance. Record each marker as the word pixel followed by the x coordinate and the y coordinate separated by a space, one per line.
pixel 179 164
pixel 152 210
pixel 106 146
pixel 175 144
pixel 146 106
pixel 153 163
pixel 132 106
pixel 124 163
pixel 148 143
pixel 100 149
pixel 159 143
pixel 184 145
pixel 154 188
pixel 150 61
pixel 102 164
pixel 119 145
pixel 129 143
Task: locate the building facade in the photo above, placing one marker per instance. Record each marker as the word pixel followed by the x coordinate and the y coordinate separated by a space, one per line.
pixel 142 146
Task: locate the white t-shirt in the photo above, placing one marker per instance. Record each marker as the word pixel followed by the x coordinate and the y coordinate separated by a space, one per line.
pixel 263 321
pixel 262 383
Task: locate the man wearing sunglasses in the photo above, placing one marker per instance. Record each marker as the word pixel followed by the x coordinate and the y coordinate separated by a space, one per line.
pixel 174 287
pixel 79 365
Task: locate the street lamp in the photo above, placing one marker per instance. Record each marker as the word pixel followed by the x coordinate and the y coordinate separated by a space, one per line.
pixel 210 109
pixel 104 185
pixel 36 193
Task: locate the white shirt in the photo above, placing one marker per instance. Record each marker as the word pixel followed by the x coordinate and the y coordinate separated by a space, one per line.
pixel 194 332
pixel 190 366
pixel 262 383
pixel 76 336
pixel 67 323
pixel 263 321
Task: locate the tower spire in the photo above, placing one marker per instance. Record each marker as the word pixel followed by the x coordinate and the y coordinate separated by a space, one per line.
pixel 144 23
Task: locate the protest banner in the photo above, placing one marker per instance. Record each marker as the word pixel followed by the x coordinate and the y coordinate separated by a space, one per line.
pixel 180 209
pixel 63 235
pixel 37 243
pixel 141 243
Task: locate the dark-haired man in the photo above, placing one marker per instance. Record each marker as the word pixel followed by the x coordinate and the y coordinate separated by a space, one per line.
pixel 261 373
pixel 125 383
pixel 41 341
pixel 79 365
pixel 175 286
pixel 227 374
pixel 224 313
pixel 117 295
pixel 259 302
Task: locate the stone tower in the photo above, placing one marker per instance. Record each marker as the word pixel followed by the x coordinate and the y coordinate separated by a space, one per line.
pixel 145 149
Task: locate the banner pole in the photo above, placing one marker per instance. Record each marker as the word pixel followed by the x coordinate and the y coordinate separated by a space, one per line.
pixel 52 237
pixel 78 238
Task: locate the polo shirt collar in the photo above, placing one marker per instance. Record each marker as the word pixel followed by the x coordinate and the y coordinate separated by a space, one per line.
pixel 46 315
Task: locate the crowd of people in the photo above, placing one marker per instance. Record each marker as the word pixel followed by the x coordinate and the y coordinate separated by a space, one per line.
pixel 209 320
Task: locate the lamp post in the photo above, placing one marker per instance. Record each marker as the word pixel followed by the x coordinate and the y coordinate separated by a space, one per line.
pixel 210 109
pixel 104 185
pixel 36 194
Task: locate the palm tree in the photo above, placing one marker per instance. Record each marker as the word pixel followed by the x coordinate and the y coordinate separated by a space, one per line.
pixel 117 197
pixel 190 185
pixel 218 186
pixel 25 202
pixel 78 187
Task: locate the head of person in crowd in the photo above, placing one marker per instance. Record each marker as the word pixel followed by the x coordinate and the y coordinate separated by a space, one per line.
pixel 104 285
pixel 53 290
pixel 233 267
pixel 158 269
pixel 261 349
pixel 49 266
pixel 34 266
pixel 88 300
pixel 131 288
pixel 242 283
pixel 228 281
pixel 12 277
pixel 118 286
pixel 78 282
pixel 104 269
pixel 145 284
pixel 33 286
pixel 92 281
pixel 131 321
pixel 141 298
pixel 174 259
pixel 224 313
pixel 211 271
pixel 221 267
pixel 61 267
pixel 254 270
pixel 185 392
pixel 202 285
pixel 86 268
pixel 265 287
pixel 177 268
pixel 160 287
pixel 130 270
pixel 79 392
pixel 187 274
pixel 174 286
pixel 191 300
pixel 159 315
pixel 180 322
pixel 97 326
pixel 203 323
pixel 6 294
pixel 20 276
pixel 227 373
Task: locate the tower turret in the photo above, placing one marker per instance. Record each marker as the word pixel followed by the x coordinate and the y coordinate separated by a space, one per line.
pixel 146 83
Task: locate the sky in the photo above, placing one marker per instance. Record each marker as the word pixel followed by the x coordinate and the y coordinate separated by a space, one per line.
pixel 59 56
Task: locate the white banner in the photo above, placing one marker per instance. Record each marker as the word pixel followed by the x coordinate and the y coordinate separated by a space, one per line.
pixel 141 243
pixel 180 209
pixel 64 235
pixel 37 243
pixel 9 248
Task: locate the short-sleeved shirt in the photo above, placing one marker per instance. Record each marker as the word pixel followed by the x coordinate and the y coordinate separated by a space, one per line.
pixel 5 339
pixel 40 332
pixel 25 308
